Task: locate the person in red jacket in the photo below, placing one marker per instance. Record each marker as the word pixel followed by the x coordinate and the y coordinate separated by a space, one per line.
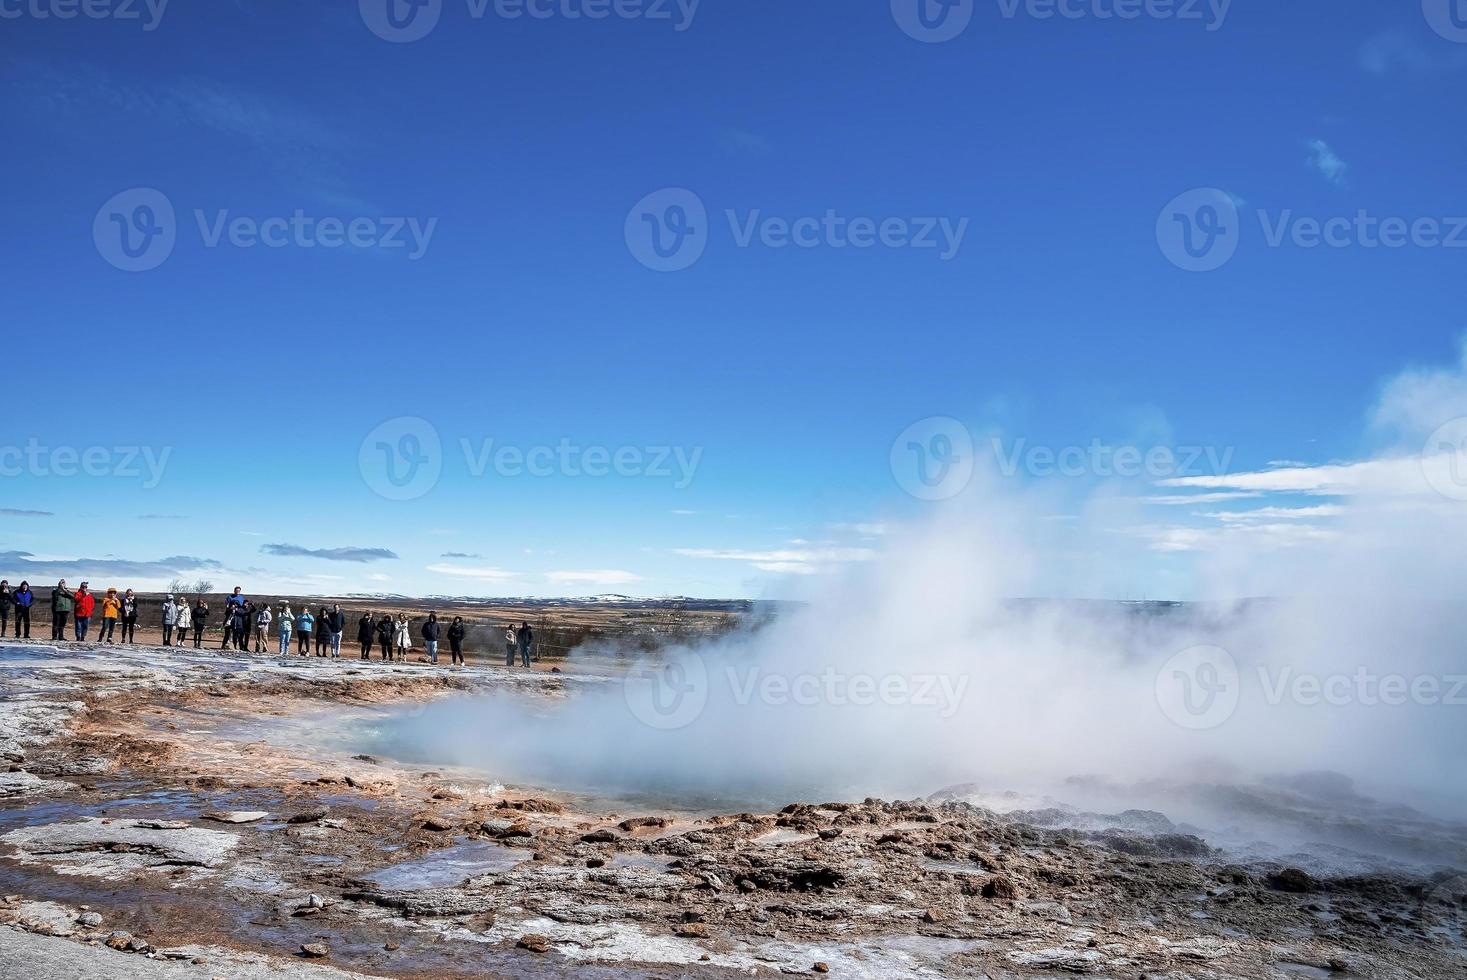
pixel 86 604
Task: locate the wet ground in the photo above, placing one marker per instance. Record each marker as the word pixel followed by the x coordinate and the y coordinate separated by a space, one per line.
pixel 188 806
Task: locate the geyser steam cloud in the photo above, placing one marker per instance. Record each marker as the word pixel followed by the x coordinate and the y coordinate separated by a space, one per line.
pixel 919 669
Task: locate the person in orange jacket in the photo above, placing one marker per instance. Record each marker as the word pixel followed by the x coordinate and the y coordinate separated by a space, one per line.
pixel 111 610
pixel 86 604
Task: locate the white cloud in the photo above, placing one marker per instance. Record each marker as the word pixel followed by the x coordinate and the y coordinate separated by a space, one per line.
pixel 1182 499
pixel 606 576
pixel 468 571
pixel 1325 160
pixel 1276 513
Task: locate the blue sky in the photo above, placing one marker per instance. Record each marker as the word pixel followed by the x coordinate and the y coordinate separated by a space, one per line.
pixel 515 159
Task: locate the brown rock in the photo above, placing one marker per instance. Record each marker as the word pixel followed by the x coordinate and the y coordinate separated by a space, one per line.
pixel 692 930
pixel 821 967
pixel 1001 888
pixel 315 951
pixel 535 943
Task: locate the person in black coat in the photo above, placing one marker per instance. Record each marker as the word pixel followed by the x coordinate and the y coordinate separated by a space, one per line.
pixel 385 629
pixel 456 640
pixel 366 629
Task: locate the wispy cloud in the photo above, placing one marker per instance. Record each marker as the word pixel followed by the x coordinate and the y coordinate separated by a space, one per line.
pixel 24 564
pixel 465 571
pixel 20 512
pixel 328 554
pixel 1327 162
pixel 1275 514
pixel 1403 51
pixel 607 576
pixel 459 554
pixel 796 561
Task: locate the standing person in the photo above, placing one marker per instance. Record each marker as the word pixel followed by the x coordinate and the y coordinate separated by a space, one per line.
pixel 303 624
pixel 237 625
pixel 63 601
pixel 365 630
pixel 404 637
pixel 129 616
pixel 185 618
pixel 236 598
pixel 170 619
pixel 201 620
pixel 7 602
pixel 384 635
pixel 336 620
pixel 511 643
pixel 456 640
pixel 527 638
pixel 86 604
pixel 430 637
pixel 323 632
pixel 23 599
pixel 111 609
pixel 262 628
pixel 286 625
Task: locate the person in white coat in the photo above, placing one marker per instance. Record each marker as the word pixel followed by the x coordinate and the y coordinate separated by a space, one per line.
pixel 170 620
pixel 404 636
pixel 185 617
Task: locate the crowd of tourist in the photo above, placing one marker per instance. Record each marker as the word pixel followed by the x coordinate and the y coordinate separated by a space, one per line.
pixel 247 625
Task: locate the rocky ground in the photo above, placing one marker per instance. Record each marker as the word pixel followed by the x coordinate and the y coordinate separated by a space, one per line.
pixel 153 825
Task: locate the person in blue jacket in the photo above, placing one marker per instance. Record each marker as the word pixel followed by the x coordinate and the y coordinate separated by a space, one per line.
pixel 303 624
pixel 23 599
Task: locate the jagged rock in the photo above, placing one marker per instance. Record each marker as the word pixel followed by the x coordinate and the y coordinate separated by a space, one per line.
pixel 89 919
pixel 236 816
pixel 821 968
pixel 639 823
pixel 1000 888
pixel 535 943
pixel 602 836
pixel 1292 880
pixel 692 930
pixel 308 816
pixel 315 951
pixel 437 823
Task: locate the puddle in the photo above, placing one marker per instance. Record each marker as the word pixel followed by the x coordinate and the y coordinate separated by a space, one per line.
pixel 446 868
